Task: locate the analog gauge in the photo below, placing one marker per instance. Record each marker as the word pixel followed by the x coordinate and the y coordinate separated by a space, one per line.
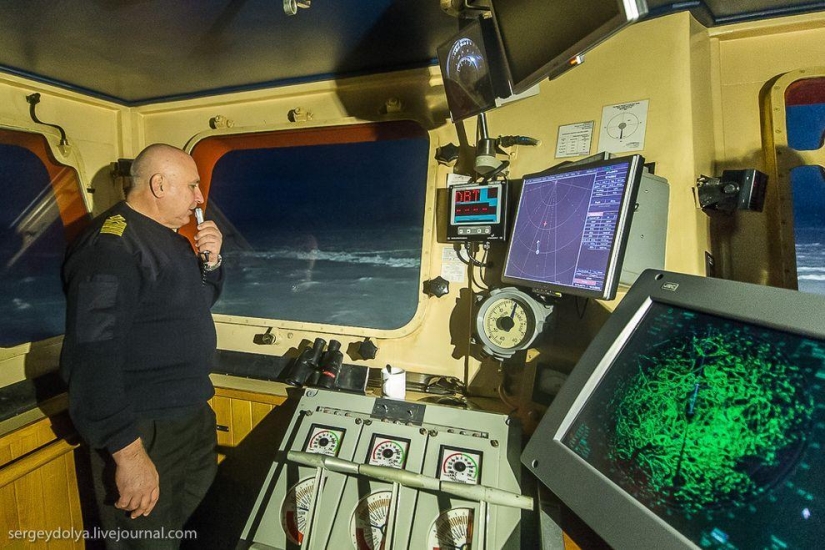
pixel 369 520
pixel 467 79
pixel 295 508
pixel 508 321
pixel 324 441
pixel 460 466
pixel 452 529
pixel 465 62
pixel 388 452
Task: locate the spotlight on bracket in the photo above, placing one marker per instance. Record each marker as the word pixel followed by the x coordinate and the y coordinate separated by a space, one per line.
pixel 291 6
pixel 734 190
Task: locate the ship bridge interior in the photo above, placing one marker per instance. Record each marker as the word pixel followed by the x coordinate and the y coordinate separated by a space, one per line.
pixel 378 219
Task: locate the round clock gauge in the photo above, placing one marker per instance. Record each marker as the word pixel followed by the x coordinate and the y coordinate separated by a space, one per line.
pixel 508 321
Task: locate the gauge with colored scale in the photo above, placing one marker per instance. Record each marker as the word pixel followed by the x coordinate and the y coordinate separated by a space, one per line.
pixel 459 465
pixel 452 529
pixel 324 440
pixel 508 321
pixel 295 508
pixel 388 452
pixel 369 520
pixel 466 64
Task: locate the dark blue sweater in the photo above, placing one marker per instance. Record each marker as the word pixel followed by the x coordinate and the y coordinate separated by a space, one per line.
pixel 140 340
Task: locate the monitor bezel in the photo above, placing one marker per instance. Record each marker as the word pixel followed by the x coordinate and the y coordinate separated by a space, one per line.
pixel 598 501
pixel 617 252
pixel 629 11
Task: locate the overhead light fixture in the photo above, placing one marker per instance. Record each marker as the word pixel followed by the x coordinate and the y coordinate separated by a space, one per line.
pixel 291 6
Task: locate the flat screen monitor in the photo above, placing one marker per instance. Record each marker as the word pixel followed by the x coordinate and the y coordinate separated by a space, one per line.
pixel 540 37
pixel 572 226
pixel 468 71
pixel 695 419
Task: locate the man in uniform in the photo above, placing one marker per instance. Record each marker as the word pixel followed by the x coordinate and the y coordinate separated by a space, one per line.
pixel 139 346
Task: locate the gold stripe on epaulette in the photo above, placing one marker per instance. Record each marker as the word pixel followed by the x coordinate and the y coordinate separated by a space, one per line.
pixel 114 225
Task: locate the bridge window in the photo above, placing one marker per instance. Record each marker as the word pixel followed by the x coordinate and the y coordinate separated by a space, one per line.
pixel 805 117
pixel 41 209
pixel 321 225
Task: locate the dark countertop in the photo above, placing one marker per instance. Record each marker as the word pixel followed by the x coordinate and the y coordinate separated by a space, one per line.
pixel 25 395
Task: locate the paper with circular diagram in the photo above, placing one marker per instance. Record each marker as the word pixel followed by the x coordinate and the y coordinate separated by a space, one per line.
pixel 623 127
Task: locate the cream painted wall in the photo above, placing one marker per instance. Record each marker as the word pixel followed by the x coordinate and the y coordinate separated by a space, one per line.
pixel 746 57
pixel 701 115
pixel 423 346
pixel 92 128
pixel 665 61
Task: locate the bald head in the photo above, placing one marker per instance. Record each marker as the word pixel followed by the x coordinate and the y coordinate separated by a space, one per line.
pixel 165 184
pixel 157 158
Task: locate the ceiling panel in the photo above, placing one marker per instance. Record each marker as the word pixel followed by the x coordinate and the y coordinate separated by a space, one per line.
pixel 141 51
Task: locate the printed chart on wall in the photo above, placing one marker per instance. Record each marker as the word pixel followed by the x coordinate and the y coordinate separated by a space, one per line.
pixel 623 127
pixel 574 139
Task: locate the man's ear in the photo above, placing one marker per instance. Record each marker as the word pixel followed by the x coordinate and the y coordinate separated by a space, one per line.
pixel 156 185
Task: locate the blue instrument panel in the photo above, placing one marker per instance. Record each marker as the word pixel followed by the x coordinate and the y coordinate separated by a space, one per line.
pixel 477 212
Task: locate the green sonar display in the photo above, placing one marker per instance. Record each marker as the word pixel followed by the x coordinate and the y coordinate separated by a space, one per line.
pixel 716 426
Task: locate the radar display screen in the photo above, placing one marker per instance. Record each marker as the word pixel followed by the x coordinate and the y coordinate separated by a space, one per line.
pixel 571 227
pixel 714 425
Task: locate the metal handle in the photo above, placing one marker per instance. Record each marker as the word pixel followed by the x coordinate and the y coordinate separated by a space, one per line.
pixel 479 493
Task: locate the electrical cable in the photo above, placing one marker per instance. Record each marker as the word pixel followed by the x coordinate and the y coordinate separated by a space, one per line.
pixel 482 287
pixel 471 256
pixel 501 395
pixel 583 309
pixel 498 170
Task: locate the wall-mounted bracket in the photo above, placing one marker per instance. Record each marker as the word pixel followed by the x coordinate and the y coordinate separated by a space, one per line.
pixel 33 100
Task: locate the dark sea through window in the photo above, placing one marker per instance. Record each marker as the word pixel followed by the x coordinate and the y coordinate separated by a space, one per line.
pixel 32 243
pixel 805 117
pixel 328 233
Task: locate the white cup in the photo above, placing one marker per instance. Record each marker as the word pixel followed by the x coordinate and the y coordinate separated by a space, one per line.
pixel 394 382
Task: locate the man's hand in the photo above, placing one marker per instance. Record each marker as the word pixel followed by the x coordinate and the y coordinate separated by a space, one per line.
pixel 137 480
pixel 209 240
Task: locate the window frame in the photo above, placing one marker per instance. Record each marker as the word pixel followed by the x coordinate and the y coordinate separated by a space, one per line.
pixel 780 160
pixel 60 162
pixel 330 132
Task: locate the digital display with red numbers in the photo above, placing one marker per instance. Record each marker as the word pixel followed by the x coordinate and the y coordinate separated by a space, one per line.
pixel 474 210
pixel 467 195
pixel 476 204
pixel 474 194
pixel 478 212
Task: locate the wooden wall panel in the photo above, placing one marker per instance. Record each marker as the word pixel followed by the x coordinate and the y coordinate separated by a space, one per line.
pixel 240 412
pixel 223 415
pixel 241 419
pixel 57 488
pixel 29 497
pixel 38 484
pixel 8 515
pixel 38 489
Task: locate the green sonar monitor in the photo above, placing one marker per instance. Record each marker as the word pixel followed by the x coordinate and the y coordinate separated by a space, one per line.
pixel 695 419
